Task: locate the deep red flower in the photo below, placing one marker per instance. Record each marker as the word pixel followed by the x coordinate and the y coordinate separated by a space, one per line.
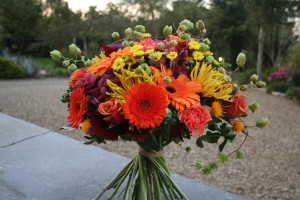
pixel 238 106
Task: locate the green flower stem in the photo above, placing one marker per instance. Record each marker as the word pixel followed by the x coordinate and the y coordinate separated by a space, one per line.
pixel 132 176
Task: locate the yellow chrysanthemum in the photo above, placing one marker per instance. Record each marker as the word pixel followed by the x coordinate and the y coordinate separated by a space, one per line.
pixel 138 53
pixel 86 125
pixel 212 82
pixel 136 48
pixel 172 55
pixel 159 55
pixel 217 109
pixel 147 35
pixel 197 55
pixel 149 51
pixel 118 64
pixel 216 63
pixel 208 53
pixel 194 45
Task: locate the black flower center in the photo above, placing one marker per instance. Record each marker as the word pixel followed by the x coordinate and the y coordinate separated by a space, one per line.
pixel 170 89
pixel 145 104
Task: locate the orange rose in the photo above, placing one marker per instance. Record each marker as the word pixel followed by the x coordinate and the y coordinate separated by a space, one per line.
pixel 76 76
pixel 110 108
pixel 239 106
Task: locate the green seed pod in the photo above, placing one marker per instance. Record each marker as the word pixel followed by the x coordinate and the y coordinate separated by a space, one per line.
pixel 115 35
pixel 126 43
pixel 188 149
pixel 185 36
pixel 128 31
pixel 167 30
pixel 55 55
pixel 152 56
pixel 204 47
pixel 241 60
pixel 140 28
pixel 187 23
pixel 202 32
pixel 66 63
pixel 254 106
pixel 262 122
pixel 260 84
pixel 243 88
pixel 138 35
pixel 209 59
pixel 173 43
pixel 254 78
pixel 182 28
pixel 160 45
pixel 167 80
pixel 74 49
pixel 72 68
pixel 240 154
pixel 221 70
pixel 200 25
pixel 88 63
pixel 206 41
pixel 226 78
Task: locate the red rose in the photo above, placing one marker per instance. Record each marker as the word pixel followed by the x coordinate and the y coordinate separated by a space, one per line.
pixel 238 106
pixel 110 108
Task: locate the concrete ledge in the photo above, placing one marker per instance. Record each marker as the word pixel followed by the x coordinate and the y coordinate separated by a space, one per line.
pixel 38 165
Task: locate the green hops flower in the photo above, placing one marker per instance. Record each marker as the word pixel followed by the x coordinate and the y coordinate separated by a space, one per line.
pixel 240 154
pixel 262 122
pixel 88 63
pixel 260 84
pixel 126 43
pixel 206 41
pixel 55 55
pixel 74 49
pixel 128 31
pixel 254 106
pixel 173 43
pixel 115 35
pixel 241 60
pixel 221 70
pixel 204 47
pixel 160 45
pixel 72 68
pixel 65 97
pixel 254 78
pixel 187 23
pixel 182 28
pixel 152 56
pixel 167 30
pixel 186 36
pixel 140 28
pixel 188 149
pixel 131 43
pixel 209 59
pixel 202 32
pixel 167 79
pixel 66 63
pixel 138 35
pixel 243 88
pixel 200 25
pixel 226 78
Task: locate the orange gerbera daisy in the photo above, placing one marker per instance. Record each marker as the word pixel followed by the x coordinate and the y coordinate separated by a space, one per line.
pixel 238 127
pixel 182 92
pixel 101 67
pixel 125 51
pixel 145 105
pixel 78 107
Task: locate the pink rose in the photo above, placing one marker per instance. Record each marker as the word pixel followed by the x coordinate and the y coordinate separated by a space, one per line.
pixel 148 44
pixel 195 118
pixel 110 108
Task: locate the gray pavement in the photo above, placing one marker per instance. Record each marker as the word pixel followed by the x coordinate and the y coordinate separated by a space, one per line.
pixel 37 164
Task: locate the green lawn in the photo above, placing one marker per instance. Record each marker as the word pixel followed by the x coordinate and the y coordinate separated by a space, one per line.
pixel 46 63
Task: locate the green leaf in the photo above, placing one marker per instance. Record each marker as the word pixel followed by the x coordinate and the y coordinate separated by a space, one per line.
pixel 199 143
pixel 221 146
pixel 89 142
pixel 210 138
pixel 213 127
pixel 222 158
pixel 213 165
pixel 230 137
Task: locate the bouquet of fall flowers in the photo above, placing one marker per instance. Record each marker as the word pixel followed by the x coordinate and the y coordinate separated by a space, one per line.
pixel 154 91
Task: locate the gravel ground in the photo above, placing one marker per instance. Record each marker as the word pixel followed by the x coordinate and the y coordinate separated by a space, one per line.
pixel 270 170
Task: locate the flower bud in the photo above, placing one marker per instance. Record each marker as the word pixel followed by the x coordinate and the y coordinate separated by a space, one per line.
pixel 188 149
pixel 72 68
pixel 262 122
pixel 74 49
pixel 209 59
pixel 240 154
pixel 182 28
pixel 131 43
pixel 221 70
pixel 160 45
pixel 115 35
pixel 202 32
pixel 152 56
pixel 66 63
pixel 139 69
pixel 140 28
pixel 137 35
pixel 204 47
pixel 88 63
pixel 167 79
pixel 128 31
pixel 254 106
pixel 206 41
pixel 168 113
pixel 167 30
pixel 186 36
pixel 55 55
pixel 200 25
pixel 243 88
pixel 254 78
pixel 260 84
pixel 126 43
pixel 173 43
pixel 241 60
pixel 187 23
pixel 148 71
